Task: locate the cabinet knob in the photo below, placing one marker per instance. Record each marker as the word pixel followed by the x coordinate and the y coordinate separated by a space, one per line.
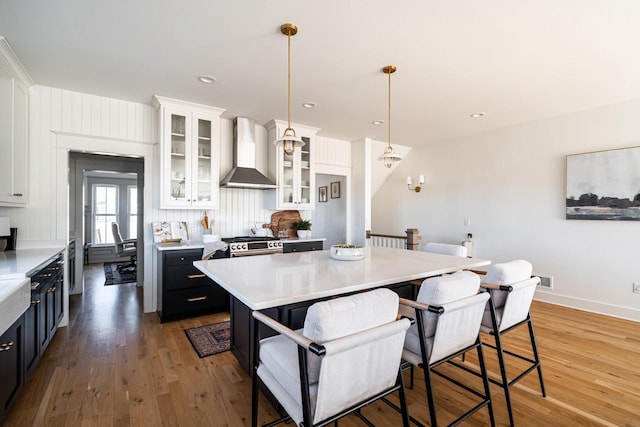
pixel 34 302
pixel 181 258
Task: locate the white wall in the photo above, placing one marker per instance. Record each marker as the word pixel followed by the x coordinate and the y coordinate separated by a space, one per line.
pixel 330 217
pixel 510 184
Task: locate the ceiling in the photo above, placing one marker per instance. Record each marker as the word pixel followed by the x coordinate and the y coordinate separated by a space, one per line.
pixel 515 61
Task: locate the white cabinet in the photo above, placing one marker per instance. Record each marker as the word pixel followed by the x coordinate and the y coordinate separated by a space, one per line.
pixel 294 174
pixel 13 136
pixel 190 154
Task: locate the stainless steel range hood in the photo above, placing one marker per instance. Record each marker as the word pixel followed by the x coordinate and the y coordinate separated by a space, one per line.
pixel 244 173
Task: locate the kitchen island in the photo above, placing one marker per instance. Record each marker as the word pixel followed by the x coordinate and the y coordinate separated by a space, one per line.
pixel 283 286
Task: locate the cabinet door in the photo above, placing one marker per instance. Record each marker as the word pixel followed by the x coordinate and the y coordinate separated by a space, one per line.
pixel 58 307
pixel 177 151
pixel 11 370
pixel 205 171
pixel 31 342
pixel 13 142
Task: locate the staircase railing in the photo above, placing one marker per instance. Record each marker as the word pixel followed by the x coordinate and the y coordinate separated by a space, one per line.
pixel 409 241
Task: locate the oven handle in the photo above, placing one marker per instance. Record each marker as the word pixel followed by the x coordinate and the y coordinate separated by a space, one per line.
pixel 256 252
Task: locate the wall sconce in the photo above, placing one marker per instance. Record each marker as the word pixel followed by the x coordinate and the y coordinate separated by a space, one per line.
pixel 418 187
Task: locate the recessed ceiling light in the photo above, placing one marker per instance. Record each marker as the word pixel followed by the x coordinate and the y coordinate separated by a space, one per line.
pixel 309 104
pixel 206 79
pixel 477 115
pixel 377 122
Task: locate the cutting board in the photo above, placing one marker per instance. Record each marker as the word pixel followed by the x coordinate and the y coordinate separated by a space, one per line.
pixel 283 220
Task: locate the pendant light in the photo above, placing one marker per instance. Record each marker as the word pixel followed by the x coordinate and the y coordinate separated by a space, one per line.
pixel 389 156
pixel 289 141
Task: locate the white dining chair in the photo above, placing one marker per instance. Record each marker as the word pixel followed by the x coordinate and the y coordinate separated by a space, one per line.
pixel 347 355
pixel 448 314
pixel 512 288
pixel 446 249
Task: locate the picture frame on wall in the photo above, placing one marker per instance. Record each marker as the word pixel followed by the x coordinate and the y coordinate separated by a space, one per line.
pixel 335 190
pixel 322 194
pixel 604 185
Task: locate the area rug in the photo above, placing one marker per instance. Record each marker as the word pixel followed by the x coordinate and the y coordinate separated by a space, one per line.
pixel 210 339
pixel 114 277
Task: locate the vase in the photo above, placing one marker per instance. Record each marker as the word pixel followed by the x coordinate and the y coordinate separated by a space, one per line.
pixel 304 234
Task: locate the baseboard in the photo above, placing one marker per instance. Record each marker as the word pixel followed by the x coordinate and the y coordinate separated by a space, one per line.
pixel 627 313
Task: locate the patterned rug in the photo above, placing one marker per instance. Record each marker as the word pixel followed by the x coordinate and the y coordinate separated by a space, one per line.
pixel 210 339
pixel 114 277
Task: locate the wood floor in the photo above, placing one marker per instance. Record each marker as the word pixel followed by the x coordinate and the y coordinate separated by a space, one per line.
pixel 115 366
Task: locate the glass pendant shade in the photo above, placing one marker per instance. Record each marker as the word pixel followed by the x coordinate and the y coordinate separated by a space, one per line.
pixel 389 156
pixel 289 141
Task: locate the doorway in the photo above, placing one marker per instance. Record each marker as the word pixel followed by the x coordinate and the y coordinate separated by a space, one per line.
pixel 329 219
pixel 86 173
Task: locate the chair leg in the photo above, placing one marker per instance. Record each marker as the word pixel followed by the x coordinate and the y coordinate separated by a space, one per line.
pixel 430 396
pixel 503 374
pixel 485 382
pixel 403 398
pixel 536 357
pixel 254 399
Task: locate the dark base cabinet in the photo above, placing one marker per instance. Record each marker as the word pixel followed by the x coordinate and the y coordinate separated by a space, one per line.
pixel 315 245
pixel 11 366
pixel 183 290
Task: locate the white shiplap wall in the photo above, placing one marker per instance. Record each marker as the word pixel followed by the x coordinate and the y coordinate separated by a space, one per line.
pixel 60 118
pixel 56 111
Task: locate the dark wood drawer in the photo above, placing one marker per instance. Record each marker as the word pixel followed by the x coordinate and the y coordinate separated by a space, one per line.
pixel 303 246
pixel 184 277
pixel 182 257
pixel 195 300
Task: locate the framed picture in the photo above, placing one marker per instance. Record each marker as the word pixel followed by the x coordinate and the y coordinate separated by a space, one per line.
pixel 335 190
pixel 322 194
pixel 604 185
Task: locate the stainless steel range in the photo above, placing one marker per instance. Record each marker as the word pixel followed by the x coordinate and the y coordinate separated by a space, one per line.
pixel 247 246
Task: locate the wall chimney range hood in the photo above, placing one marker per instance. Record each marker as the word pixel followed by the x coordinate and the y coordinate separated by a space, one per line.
pixel 244 173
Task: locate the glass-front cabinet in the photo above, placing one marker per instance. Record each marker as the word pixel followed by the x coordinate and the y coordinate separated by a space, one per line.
pixel 190 154
pixel 294 173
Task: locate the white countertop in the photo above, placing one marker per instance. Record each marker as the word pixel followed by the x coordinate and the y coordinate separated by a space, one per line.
pixel 273 280
pixel 21 262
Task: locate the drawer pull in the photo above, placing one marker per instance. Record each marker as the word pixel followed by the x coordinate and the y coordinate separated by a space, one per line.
pixel 16 194
pixel 196 299
pixel 52 289
pixel 37 301
pixel 6 346
pixel 196 276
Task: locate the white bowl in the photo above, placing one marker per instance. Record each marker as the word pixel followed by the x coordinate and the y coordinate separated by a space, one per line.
pixel 343 253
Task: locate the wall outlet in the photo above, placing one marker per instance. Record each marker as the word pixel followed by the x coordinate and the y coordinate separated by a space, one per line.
pixel 636 287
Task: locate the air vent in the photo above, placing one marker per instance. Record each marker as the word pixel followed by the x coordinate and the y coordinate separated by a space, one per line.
pixel 546 282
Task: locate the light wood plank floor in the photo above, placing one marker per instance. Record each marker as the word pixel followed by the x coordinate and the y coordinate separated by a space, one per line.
pixel 115 366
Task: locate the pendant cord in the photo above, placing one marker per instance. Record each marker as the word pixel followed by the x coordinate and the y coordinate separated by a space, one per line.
pixel 389 114
pixel 289 79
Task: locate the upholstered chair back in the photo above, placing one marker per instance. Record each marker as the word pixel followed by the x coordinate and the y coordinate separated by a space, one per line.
pixel 457 327
pixel 511 307
pixel 446 249
pixel 363 343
